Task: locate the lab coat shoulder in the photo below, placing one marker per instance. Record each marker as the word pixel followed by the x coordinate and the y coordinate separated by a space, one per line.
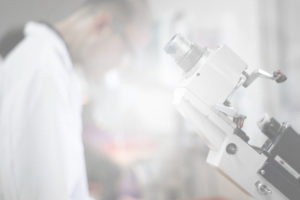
pixel 38 54
pixel 35 61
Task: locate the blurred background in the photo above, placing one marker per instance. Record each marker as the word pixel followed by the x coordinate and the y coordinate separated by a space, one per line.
pixel 137 146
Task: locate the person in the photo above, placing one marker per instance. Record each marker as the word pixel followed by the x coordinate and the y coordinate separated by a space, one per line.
pixel 40 100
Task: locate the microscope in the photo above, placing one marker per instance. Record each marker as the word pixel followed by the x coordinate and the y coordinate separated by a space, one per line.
pixel 267 172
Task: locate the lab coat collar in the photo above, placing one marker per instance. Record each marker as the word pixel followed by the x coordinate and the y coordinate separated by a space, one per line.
pixel 44 30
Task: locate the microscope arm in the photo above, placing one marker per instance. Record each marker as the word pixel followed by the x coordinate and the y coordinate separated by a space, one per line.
pixel 259 73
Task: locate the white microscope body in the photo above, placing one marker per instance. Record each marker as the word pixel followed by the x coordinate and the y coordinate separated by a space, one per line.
pixel 203 98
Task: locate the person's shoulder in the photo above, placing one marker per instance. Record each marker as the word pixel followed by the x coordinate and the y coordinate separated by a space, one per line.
pixel 35 62
pixel 35 54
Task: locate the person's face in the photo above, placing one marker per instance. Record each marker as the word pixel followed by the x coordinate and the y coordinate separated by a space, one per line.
pixel 107 42
pixel 138 32
pixel 103 48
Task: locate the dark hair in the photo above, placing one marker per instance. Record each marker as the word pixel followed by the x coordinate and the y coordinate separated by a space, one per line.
pixel 10 40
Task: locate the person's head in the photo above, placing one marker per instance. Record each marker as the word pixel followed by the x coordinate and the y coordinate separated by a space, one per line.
pixel 101 31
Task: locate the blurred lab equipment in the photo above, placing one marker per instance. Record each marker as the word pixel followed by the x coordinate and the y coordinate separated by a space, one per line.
pixel 103 174
pixel 212 76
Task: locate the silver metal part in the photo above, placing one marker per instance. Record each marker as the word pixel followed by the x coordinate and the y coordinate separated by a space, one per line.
pixel 230 111
pixel 185 53
pixel 264 120
pixel 250 78
pixel 262 188
pixel 287 167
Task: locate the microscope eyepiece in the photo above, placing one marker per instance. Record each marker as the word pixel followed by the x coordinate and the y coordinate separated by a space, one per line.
pixel 185 53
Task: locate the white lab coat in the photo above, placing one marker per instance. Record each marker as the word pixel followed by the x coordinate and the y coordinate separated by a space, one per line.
pixel 41 151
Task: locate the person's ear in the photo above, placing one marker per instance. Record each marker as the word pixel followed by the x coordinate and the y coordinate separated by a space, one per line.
pixel 101 21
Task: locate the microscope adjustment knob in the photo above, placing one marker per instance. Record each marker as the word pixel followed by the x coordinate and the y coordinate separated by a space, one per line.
pixel 231 149
pixel 262 188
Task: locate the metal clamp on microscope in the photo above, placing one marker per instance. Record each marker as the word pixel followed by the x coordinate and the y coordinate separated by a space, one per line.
pixel 269 172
